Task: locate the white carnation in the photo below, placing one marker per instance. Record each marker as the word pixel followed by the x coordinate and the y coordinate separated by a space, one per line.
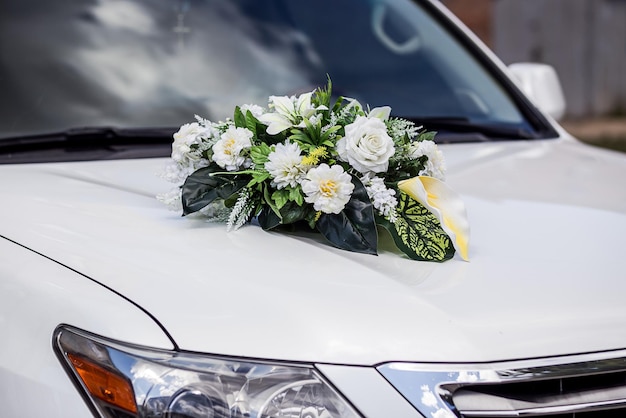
pixel 227 152
pixel 366 147
pixel 284 165
pixel 327 188
pixel 436 165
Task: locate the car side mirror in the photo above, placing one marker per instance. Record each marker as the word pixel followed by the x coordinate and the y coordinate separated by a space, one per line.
pixel 540 83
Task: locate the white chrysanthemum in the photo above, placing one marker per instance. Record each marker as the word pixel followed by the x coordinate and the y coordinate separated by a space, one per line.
pixel 383 199
pixel 366 146
pixel 288 112
pixel 285 165
pixel 327 188
pixel 227 152
pixel 436 165
pixel 256 110
pixel 188 135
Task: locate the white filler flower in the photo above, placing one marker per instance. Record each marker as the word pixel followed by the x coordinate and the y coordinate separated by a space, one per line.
pixel 227 151
pixel 327 188
pixel 382 198
pixel 284 165
pixel 367 147
pixel 436 165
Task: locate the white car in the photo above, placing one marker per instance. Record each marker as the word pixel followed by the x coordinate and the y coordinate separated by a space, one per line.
pixel 113 306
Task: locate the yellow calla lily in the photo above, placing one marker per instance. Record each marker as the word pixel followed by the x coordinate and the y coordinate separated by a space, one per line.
pixel 444 203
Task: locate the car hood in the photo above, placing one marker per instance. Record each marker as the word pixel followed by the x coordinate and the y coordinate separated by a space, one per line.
pixel 545 276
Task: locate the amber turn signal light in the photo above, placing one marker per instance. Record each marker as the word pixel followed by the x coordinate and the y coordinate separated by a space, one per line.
pixel 104 384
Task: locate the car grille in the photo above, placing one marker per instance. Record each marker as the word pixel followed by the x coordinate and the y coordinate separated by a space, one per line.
pixel 583 386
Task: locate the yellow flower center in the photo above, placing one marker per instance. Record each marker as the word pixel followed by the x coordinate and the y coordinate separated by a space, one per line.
pixel 328 188
pixel 228 146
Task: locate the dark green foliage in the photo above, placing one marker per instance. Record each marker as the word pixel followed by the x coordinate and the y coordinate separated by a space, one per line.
pixel 208 184
pixel 354 229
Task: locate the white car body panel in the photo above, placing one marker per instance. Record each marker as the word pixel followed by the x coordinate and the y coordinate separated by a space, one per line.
pixel 101 219
pixel 342 311
pixel 36 295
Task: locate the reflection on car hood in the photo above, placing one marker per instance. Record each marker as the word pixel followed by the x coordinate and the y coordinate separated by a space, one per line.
pixel 546 275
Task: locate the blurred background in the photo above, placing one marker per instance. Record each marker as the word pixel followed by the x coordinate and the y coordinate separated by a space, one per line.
pixel 584 40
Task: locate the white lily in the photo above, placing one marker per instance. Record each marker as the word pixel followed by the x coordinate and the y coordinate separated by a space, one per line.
pixel 288 112
pixel 381 113
pixel 445 204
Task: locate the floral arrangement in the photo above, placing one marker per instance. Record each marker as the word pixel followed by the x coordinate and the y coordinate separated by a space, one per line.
pixel 339 168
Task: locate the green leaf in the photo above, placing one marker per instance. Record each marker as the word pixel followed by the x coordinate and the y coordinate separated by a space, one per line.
pixel 239 118
pixel 292 213
pixel 280 197
pixel 258 177
pixel 251 122
pixel 354 229
pixel 268 199
pixel 268 219
pixel 427 136
pixel 418 233
pixel 301 137
pixel 289 214
pixel 295 195
pixel 203 187
pixel 338 104
pixel 329 131
pixel 259 153
pixel 322 95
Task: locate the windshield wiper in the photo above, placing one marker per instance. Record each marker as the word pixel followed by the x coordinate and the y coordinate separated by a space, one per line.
pixel 89 137
pixel 90 143
pixel 459 129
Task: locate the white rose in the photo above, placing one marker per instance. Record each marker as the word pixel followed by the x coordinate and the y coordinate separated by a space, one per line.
pixel 366 147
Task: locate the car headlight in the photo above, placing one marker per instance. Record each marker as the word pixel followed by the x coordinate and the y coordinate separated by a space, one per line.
pixel 124 381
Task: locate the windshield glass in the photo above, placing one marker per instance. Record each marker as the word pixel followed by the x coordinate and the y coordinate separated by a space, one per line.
pixel 150 63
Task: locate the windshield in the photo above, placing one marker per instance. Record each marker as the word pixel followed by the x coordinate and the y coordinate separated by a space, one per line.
pixel 150 63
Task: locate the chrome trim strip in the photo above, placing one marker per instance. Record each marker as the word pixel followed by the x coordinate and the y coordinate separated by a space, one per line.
pixel 430 387
pixel 578 408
